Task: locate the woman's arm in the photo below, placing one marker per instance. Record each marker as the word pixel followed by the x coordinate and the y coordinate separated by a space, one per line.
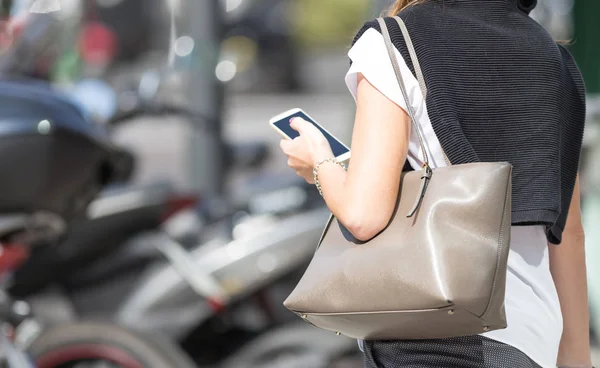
pixel 567 264
pixel 363 198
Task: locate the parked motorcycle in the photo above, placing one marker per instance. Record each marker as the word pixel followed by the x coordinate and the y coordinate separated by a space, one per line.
pixel 55 161
pixel 134 262
pixel 226 292
pixel 210 295
pixel 118 214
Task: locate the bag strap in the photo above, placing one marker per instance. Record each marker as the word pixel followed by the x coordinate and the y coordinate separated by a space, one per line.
pixel 413 55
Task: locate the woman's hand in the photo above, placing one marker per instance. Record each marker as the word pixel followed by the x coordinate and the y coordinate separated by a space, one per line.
pixel 364 197
pixel 306 150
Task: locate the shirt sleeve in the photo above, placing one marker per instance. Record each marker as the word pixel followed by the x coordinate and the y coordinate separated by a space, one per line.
pixel 369 57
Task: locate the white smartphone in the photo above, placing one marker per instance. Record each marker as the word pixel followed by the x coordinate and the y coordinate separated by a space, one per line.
pixel 281 124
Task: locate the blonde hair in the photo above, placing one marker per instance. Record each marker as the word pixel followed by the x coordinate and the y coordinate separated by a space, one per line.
pixel 400 5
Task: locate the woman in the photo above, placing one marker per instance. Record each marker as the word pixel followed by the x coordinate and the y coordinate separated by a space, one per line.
pixel 498 89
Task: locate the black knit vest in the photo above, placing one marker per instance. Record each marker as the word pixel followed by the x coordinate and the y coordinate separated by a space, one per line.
pixel 500 89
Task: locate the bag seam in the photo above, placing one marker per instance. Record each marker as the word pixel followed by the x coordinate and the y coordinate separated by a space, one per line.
pixel 324 232
pixel 423 310
pixel 500 247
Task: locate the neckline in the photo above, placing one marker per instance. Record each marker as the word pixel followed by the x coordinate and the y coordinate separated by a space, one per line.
pixel 525 6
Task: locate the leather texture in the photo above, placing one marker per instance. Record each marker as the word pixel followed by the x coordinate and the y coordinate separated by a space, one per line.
pixel 435 271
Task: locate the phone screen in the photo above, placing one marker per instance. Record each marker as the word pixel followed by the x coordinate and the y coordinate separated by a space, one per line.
pixel 284 125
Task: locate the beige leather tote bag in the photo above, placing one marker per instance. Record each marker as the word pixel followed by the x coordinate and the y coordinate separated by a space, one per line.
pixel 437 270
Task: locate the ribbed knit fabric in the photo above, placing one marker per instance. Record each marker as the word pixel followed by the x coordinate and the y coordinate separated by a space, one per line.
pixel 500 89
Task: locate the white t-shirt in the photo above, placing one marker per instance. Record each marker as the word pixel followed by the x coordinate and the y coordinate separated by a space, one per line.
pixel 532 305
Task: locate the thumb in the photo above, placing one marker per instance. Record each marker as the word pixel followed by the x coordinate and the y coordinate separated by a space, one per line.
pixel 298 124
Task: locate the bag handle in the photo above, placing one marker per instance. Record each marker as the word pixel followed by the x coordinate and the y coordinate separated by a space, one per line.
pixel 427 172
pixel 413 55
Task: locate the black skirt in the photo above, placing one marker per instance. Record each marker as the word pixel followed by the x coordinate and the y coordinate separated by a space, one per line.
pixel 456 352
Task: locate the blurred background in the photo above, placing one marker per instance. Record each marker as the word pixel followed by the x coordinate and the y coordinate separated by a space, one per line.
pixel 163 227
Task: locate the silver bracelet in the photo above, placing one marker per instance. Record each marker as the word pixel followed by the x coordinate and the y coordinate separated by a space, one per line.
pixel 316 171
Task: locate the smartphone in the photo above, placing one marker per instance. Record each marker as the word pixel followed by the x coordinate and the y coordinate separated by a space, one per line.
pixel 281 124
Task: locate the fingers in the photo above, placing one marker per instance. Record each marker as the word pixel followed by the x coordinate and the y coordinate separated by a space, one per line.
pixel 292 161
pixel 292 148
pixel 286 146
